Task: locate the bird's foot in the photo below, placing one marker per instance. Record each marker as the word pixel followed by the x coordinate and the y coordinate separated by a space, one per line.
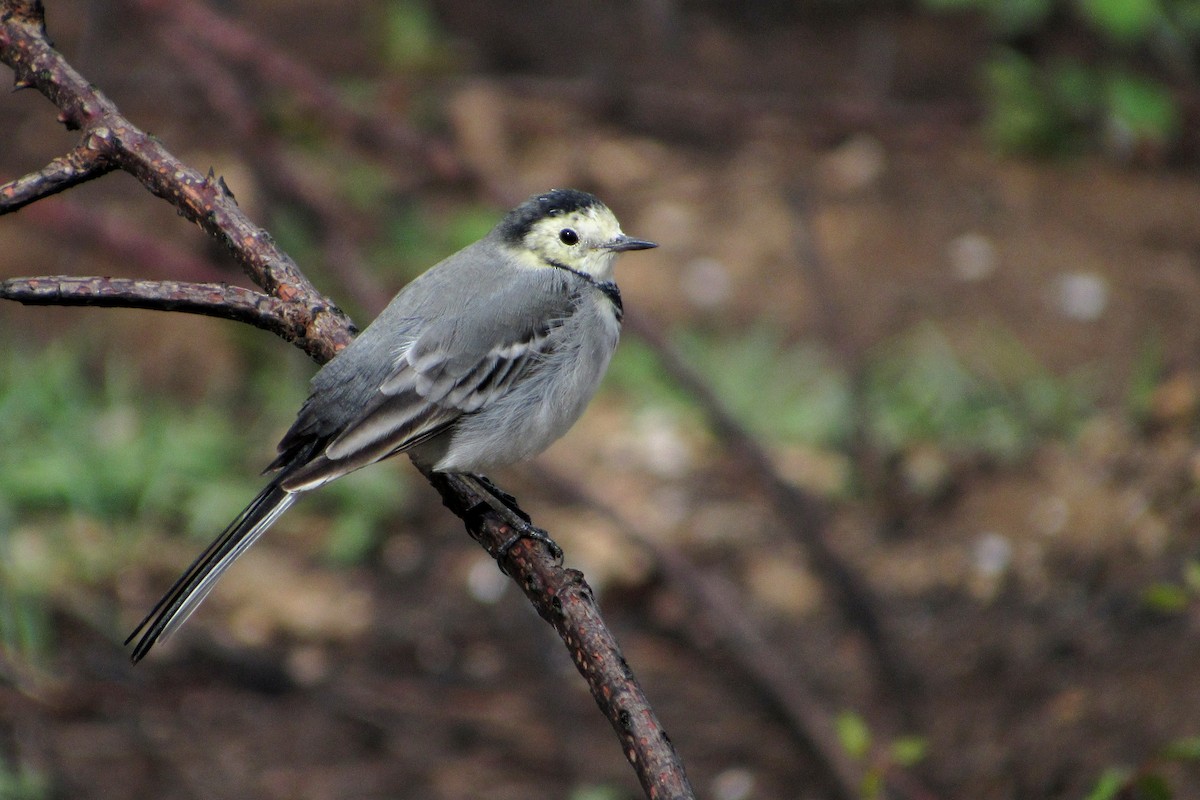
pixel 537 535
pixel 518 521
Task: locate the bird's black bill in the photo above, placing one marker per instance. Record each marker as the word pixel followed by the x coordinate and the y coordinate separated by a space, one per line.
pixel 623 243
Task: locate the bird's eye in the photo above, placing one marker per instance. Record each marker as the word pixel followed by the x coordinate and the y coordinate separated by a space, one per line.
pixel 568 236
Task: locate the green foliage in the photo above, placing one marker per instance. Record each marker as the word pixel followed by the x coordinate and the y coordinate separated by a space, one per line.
pixel 1148 782
pixel 84 448
pixel 1110 783
pixel 102 450
pixel 1139 111
pixel 1147 371
pixel 1120 22
pixel 1022 113
pixel 984 396
pixel 414 240
pixel 411 38
pixel 24 625
pixel 1056 105
pixel 1166 598
pixel 365 185
pixel 23 783
pixel 781 392
pixel 92 463
pixel 94 445
pixel 1185 749
pixel 358 506
pixel 1174 597
pixel 1126 22
pixel 636 373
pixel 920 388
pixel 908 751
pixel 599 793
pixel 1009 17
pixel 854 735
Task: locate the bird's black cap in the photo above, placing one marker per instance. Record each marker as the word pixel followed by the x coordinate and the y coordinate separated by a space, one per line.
pixel 551 204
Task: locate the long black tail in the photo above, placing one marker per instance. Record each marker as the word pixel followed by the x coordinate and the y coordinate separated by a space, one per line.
pixel 194 585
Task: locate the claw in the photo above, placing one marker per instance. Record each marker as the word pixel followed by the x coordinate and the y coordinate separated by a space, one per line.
pixel 537 535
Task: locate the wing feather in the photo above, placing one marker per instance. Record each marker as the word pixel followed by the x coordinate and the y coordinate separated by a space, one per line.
pixel 425 394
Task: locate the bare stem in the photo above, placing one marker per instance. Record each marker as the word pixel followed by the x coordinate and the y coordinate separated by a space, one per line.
pixel 210 299
pixel 85 162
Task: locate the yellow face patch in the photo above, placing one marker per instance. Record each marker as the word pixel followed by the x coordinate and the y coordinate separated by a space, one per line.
pixel 576 240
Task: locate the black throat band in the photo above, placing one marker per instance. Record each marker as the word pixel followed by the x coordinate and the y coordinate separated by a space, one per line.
pixel 607 288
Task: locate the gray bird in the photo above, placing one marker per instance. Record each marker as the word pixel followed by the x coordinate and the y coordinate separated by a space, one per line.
pixel 482 361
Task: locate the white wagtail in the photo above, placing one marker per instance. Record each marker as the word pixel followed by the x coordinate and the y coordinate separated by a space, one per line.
pixel 484 360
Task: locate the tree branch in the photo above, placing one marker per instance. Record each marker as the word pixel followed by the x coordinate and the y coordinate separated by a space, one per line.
pixel 210 299
pixel 308 319
pixel 749 647
pixel 85 162
pixel 205 200
pixel 564 599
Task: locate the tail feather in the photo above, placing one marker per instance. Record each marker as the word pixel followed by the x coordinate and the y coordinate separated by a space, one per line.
pixel 194 585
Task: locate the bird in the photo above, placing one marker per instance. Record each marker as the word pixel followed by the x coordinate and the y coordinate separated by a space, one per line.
pixel 482 361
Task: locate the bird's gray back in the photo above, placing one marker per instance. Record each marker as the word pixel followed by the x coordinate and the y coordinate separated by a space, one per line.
pixel 463 307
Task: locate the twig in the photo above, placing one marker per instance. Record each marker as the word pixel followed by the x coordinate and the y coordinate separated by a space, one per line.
pixel 205 200
pixel 87 161
pixel 335 225
pixel 561 596
pixel 210 299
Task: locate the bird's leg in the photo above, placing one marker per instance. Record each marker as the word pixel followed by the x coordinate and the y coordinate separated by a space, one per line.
pixel 506 506
pixel 504 497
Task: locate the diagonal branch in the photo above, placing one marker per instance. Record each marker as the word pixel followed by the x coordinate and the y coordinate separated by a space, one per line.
pixel 745 642
pixel 808 515
pixel 564 599
pixel 233 43
pixel 314 323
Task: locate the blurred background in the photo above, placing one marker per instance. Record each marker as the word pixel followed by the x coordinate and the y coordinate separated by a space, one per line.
pixel 891 491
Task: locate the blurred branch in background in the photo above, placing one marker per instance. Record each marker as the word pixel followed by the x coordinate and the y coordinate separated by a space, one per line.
pixel 808 516
pixel 307 318
pixel 194 29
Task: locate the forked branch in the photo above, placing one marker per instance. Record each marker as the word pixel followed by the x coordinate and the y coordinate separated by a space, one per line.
pixel 292 308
